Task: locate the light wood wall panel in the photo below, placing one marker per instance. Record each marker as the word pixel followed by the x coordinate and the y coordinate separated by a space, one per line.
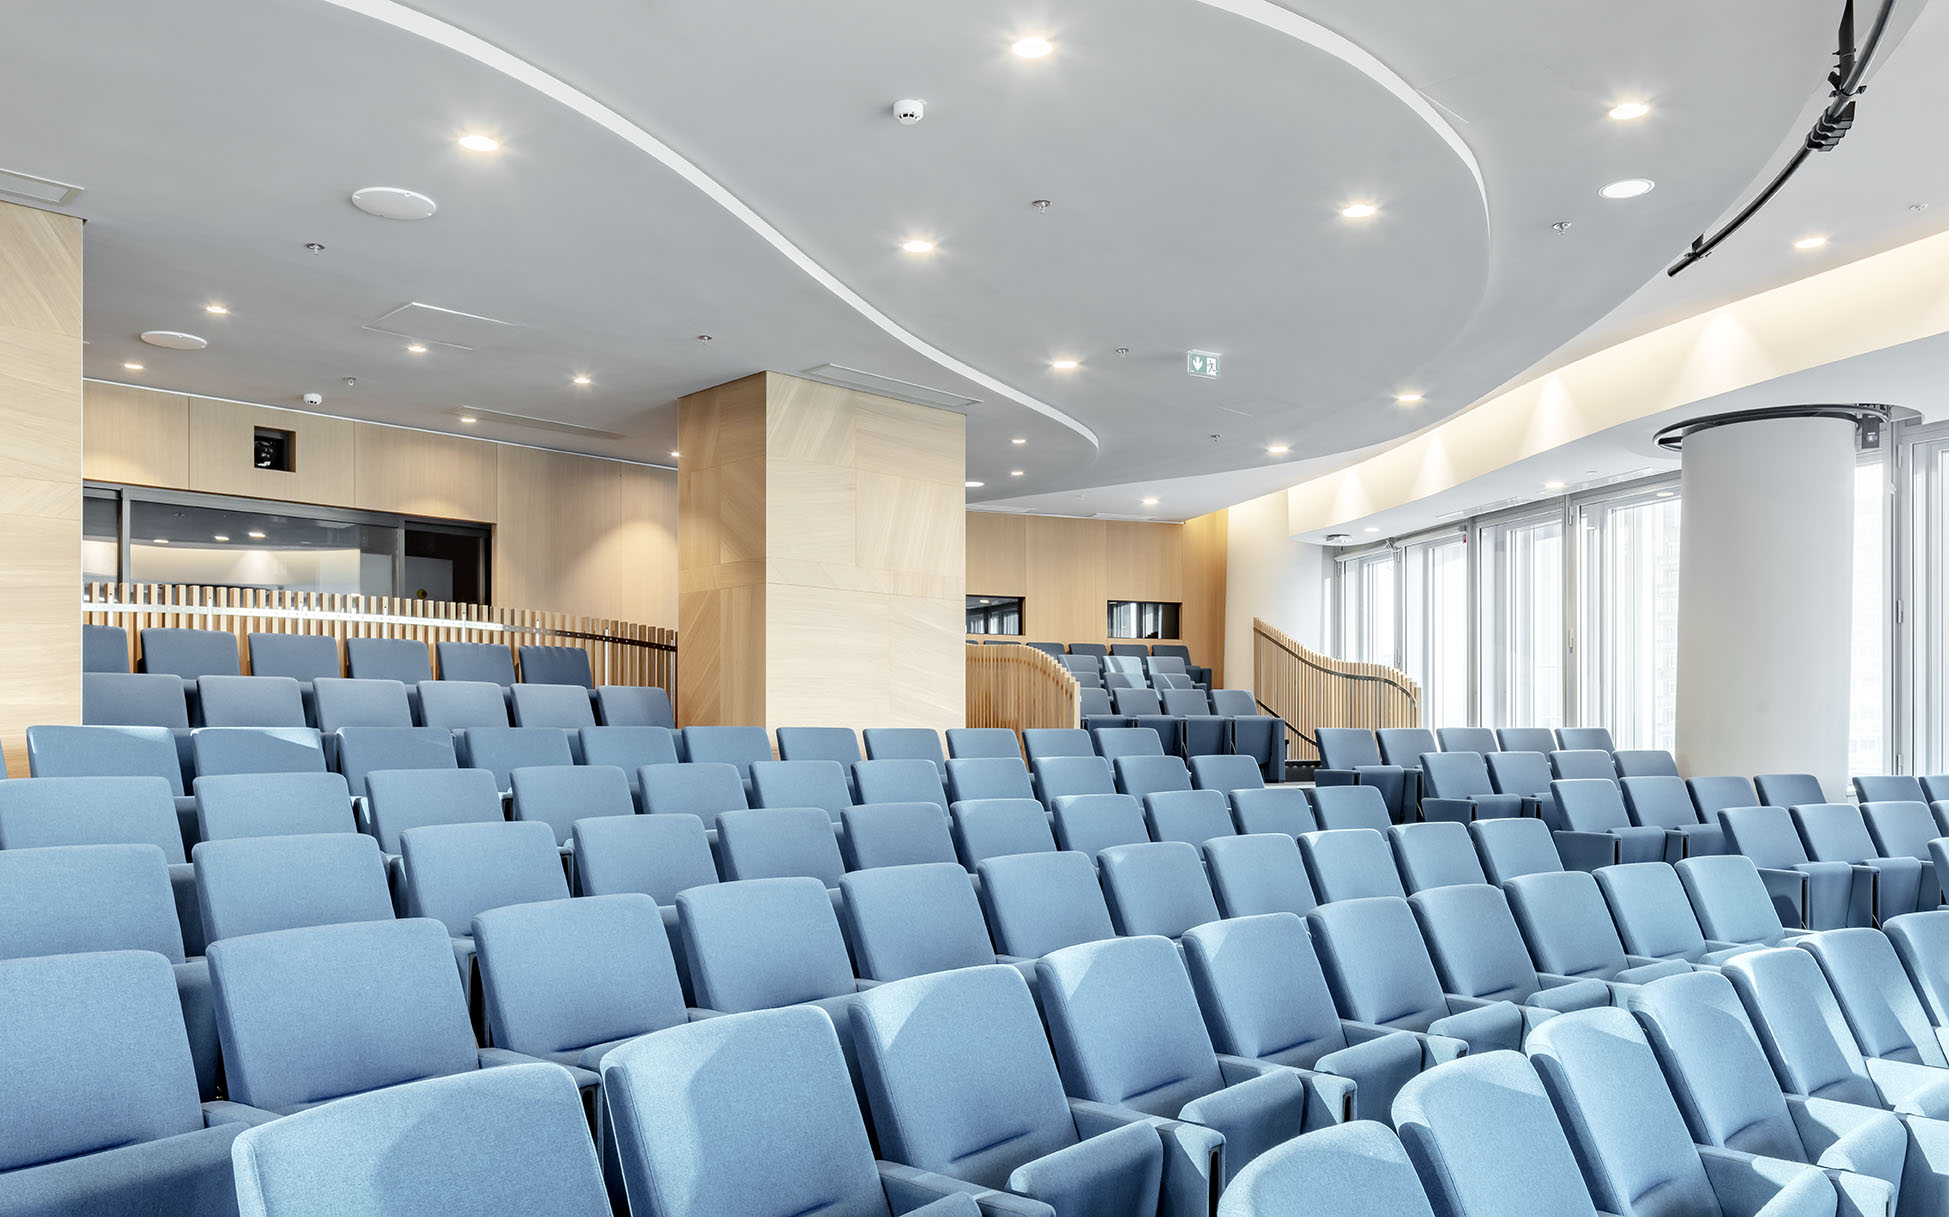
pixel 40 473
pixel 221 439
pixel 998 563
pixel 134 436
pixel 601 540
pixel 1203 620
pixel 721 594
pixel 419 473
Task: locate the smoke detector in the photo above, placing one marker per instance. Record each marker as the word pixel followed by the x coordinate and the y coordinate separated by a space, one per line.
pixel 909 110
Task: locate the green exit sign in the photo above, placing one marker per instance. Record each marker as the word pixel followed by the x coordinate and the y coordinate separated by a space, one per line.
pixel 1202 363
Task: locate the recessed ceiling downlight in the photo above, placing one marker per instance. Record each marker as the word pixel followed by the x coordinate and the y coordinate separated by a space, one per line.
pixel 1359 211
pixel 479 143
pixel 394 203
pixel 1814 242
pixel 973 485
pixel 133 367
pixel 174 340
pixel 1628 188
pixel 918 245
pixel 1032 48
pixel 1626 111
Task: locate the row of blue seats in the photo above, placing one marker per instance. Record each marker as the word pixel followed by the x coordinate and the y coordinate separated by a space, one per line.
pixel 191 654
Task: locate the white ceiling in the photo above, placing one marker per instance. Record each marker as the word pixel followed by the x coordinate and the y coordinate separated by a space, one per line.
pixel 1196 161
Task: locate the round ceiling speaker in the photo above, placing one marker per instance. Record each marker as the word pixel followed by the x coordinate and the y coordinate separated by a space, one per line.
pixel 175 340
pixel 393 203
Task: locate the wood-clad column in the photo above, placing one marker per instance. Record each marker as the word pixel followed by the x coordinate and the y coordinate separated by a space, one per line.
pixel 40 474
pixel 821 557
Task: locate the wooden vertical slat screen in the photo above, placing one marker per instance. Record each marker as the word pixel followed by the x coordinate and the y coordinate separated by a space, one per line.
pixel 1310 690
pixel 1019 688
pixel 620 652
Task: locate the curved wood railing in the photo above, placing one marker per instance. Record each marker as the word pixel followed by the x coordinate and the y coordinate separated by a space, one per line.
pixel 1020 687
pixel 1310 690
pixel 620 652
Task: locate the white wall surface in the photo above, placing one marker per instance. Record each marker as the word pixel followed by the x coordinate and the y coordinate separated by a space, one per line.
pixel 1269 575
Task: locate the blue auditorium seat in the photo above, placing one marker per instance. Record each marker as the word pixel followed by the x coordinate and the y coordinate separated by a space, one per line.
pixel 1040 902
pixel 559 795
pixel 252 885
pixel 987 777
pixel 359 702
pixel 1341 807
pixel 251 701
pixel 912 920
pixel 899 780
pixel 905 743
pixel 1882 1009
pixel 1350 864
pixel 1481 959
pixel 1665 802
pixel 779 842
pixel 405 660
pixel 1731 901
pixel 1653 917
pixel 1381 973
pixel 820 784
pixel 1509 848
pixel 697 788
pixel 1541 740
pixel 500 750
pixel 819 744
pixel 1226 773
pixel 1644 762
pixel 1592 828
pixel 1835 832
pixel 1045 742
pixel 1456 786
pixel 1520 773
pixel 302 657
pixel 1479 740
pixel 1578 739
pixel 121 699
pixel 1711 795
pixel 272 804
pixel 256 750
pixel 451 872
pixel 657 856
pixel 1788 789
pixel 1275 809
pixel 1583 763
pixel 1889 788
pixel 993 828
pixel 106 752
pixel 628 749
pixel 1258 873
pixel 972 742
pixel 895 834
pixel 488 661
pixel 1138 776
pixel 1434 854
pixel 1354 1170
pixel 1817 895
pixel 1569 931
pixel 1403 746
pixel 1060 777
pixel 457 704
pixel 1156 888
pixel 400 800
pixel 1091 823
pixel 557 665
pixel 635 706
pixel 104 648
pixel 1192 816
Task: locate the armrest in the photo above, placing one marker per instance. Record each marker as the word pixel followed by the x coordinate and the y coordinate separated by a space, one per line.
pixel 1864 895
pixel 1458 811
pixel 924 1192
pixel 1193 1155
pixel 495 1058
pixel 1497 1025
pixel 1118 1170
pixel 222 1111
pixel 697 1014
pixel 1577 995
pixel 1378 1069
pixel 1849 1138
pixel 1747 1185
pixel 1788 888
pixel 1911 1090
pixel 1435 1048
pixel 1329 1097
pixel 1253 1115
pixel 1336 777
pixel 1586 850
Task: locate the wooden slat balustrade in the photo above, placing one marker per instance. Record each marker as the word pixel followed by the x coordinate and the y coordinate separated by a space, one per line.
pixel 1020 687
pixel 1310 690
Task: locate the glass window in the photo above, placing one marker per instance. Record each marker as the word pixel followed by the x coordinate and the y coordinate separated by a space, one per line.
pixel 1629 594
pixel 1435 632
pixel 1867 746
pixel 1367 608
pixel 1522 622
pixel 995 615
pixel 225 547
pixel 1143 619
pixel 101 538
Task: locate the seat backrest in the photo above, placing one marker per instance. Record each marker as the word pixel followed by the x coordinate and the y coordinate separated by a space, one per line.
pixel 1589 804
pixel 360 702
pixel 1090 823
pixel 1659 802
pixel 405 660
pixel 696 788
pixel 1156 888
pixel 252 885
pixel 1456 775
pixel 1711 795
pixel 1226 773
pixel 1583 763
pixel 489 661
pixel 783 1142
pixel 1922 941
pixel 895 834
pixel 968 742
pixel 1114 742
pixel 1192 816
pixel 1234 703
pixel 1258 873
pixel 911 920
pixel 1729 899
pixel 1376 963
pixel 1186 702
pixel 1764 834
pixel 1524 773
pixel 94 1058
pixel 1788 789
pixel 1340 807
pixel 1622 1121
pixel 299 656
pixel 546 665
pixel 994 828
pixel 628 748
pixel 1540 740
pixel 1141 775
pixel 1041 902
pixel 820 784
pixel 1350 864
pixel 1481 740
pixel 1261 988
pixel 1347 747
pixel 1889 788
pixel 1649 908
pixel 1437 854
pixel 904 743
pixel 363 751
pixel 1125 1024
pixel 1866 977
pixel 988 777
pixel 73 899
pixel 272 805
pixel 1644 762
pixel 959 1076
pixel 1518 1164
pixel 1901 830
pixel 738 746
pixel 1089 648
pixel 1800 1025
pixel 190 653
pixel 558 976
pixel 559 795
pixel 1357 1169
pixel 87 752
pixel 1473 939
pixel 1712 1059
pixel 1566 924
pixel 457 704
pixel 657 856
pixel 104 648
pixel 900 780
pixel 1514 846
pixel 762 943
pixel 1060 776
pixel 256 750
pixel 36 812
pixel 1833 832
pixel 514 1133
pixel 121 699
pixel 635 706
pixel 819 744
pixel 775 842
pixel 1043 742
pixel 1578 739
pixel 404 799
pixel 251 701
pixel 311 1014
pixel 1273 809
pixel 1089 701
pixel 1136 701
pixel 453 871
pixel 1403 746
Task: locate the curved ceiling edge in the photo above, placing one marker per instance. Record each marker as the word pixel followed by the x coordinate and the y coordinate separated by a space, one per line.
pixel 520 70
pixel 1285 21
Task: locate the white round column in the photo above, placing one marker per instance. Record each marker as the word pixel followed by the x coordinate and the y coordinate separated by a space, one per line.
pixel 1766 546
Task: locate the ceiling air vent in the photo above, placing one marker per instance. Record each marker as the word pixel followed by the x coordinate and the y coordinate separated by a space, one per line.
pixel 887 386
pixel 442 326
pixel 44 192
pixel 533 423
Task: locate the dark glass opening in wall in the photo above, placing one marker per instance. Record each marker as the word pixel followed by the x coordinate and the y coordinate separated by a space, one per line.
pixel 445 565
pixel 1143 619
pixel 226 547
pixel 995 615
